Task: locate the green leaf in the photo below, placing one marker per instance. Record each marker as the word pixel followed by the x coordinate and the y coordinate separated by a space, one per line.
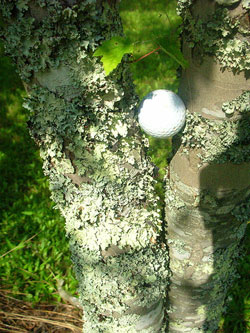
pixel 112 52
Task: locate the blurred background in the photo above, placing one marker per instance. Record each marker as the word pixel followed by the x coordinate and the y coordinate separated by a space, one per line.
pixel 34 250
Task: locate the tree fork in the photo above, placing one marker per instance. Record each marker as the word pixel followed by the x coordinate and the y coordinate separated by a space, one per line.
pixel 207 196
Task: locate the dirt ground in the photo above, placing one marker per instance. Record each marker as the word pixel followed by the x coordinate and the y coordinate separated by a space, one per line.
pixel 19 316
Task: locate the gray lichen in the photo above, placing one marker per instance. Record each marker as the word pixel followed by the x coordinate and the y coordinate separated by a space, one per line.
pixel 220 141
pixel 205 227
pixel 246 4
pixel 226 2
pixel 172 199
pixel 242 212
pixel 183 5
pixel 94 155
pixel 39 46
pixel 220 35
pixel 239 105
pixel 127 279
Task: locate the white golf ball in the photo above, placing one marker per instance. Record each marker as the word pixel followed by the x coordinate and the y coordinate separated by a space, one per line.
pixel 161 113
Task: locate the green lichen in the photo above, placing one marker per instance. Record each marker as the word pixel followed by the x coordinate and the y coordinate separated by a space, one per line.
pixel 226 2
pixel 242 213
pixel 224 274
pixel 172 198
pixel 94 155
pixel 39 46
pixel 246 4
pixel 127 279
pixel 182 6
pixel 204 235
pixel 219 141
pixel 239 105
pixel 219 35
pixel 213 272
pixel 181 251
pixel 113 175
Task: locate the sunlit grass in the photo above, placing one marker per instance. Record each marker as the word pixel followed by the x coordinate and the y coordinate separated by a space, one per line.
pixel 148 24
pixel 28 266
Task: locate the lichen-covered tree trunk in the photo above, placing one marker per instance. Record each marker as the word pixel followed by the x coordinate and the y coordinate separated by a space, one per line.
pixel 94 155
pixel 207 197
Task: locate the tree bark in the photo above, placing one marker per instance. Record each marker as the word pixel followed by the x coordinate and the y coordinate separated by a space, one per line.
pixel 94 155
pixel 102 181
pixel 207 197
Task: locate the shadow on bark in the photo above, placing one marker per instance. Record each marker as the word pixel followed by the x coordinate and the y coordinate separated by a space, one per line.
pixel 208 216
pixel 212 250
pixel 224 197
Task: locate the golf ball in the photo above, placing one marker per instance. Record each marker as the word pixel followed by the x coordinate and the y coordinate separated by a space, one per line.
pixel 161 113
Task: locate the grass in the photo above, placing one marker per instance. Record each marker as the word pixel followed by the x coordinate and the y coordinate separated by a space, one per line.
pixel 34 250
pixel 150 24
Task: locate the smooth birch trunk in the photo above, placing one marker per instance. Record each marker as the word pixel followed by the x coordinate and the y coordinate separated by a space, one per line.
pixel 94 155
pixel 207 197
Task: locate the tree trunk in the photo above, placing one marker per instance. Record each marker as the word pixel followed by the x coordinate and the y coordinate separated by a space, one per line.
pixel 101 179
pixel 207 197
pixel 94 155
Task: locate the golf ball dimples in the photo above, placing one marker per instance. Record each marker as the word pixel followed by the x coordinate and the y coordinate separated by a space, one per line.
pixel 161 113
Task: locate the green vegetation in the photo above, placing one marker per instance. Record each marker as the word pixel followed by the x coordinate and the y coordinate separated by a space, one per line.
pixel 112 51
pixel 34 250
pixel 151 25
pixel 147 29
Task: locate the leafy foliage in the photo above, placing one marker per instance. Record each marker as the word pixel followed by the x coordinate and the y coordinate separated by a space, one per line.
pixel 151 26
pixel 112 52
